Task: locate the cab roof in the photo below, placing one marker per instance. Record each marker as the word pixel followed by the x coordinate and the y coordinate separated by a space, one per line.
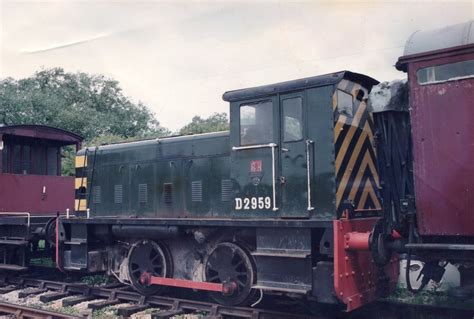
pixel 305 83
pixel 428 44
pixel 442 38
pixel 57 135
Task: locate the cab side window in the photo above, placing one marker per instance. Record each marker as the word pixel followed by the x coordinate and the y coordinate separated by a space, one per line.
pixel 293 119
pixel 345 103
pixel 25 159
pixel 446 72
pixel 256 123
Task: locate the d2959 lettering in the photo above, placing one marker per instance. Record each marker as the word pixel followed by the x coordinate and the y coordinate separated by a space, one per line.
pixel 248 203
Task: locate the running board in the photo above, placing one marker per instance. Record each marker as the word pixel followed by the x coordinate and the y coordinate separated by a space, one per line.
pixel 13 242
pixel 275 286
pixel 435 246
pixel 11 267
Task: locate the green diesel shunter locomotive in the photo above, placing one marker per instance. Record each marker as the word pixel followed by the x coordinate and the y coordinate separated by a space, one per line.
pixel 268 207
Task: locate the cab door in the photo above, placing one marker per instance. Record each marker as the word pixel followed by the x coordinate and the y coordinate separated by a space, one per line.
pixel 254 157
pixel 296 157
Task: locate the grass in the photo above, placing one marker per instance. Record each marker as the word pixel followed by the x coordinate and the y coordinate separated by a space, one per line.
pixel 41 244
pixel 430 297
pixel 96 280
pixel 105 313
pixel 43 262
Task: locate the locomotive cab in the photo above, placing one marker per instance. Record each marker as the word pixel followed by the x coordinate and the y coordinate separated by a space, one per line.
pixel 289 139
pixel 269 145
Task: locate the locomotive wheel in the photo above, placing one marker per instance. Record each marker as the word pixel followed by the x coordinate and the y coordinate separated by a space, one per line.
pixel 377 245
pixel 148 256
pixel 229 262
pixel 50 231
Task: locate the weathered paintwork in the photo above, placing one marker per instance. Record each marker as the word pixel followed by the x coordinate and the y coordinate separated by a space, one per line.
pixel 443 134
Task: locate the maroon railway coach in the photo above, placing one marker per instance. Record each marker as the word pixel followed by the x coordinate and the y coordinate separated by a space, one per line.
pixel 440 67
pixel 32 190
pixel 426 155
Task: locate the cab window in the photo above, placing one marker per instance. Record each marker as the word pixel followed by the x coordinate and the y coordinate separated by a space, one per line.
pixel 445 72
pixel 293 119
pixel 345 103
pixel 256 123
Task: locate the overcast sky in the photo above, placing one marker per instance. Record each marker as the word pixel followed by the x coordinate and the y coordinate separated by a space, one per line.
pixel 178 57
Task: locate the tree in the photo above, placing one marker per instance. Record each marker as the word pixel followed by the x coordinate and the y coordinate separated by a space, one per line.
pixel 214 123
pixel 92 106
pixel 88 105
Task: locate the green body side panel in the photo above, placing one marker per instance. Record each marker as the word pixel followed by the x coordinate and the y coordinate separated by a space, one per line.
pixel 293 163
pixel 171 178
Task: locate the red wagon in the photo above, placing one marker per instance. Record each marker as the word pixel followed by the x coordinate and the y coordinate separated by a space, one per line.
pixel 32 190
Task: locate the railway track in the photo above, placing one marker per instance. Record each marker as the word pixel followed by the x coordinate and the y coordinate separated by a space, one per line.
pixel 19 311
pixel 71 294
pixel 130 303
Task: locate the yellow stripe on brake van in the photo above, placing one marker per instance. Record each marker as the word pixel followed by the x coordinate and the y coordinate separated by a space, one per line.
pixel 83 203
pixel 81 161
pixel 81 182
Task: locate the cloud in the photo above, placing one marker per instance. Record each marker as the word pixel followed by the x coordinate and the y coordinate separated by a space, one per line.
pixel 179 57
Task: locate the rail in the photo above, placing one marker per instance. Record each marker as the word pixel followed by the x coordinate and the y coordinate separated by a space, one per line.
pixel 26 214
pixel 19 311
pixel 272 146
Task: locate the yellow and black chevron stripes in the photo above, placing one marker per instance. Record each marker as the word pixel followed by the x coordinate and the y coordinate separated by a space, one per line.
pixel 81 183
pixel 357 178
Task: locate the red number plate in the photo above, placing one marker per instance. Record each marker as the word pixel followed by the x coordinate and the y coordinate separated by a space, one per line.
pixel 256 166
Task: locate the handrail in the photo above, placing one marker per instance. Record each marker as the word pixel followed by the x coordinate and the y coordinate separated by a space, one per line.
pixel 275 208
pixel 28 215
pixel 308 173
pixel 272 146
pixel 249 147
